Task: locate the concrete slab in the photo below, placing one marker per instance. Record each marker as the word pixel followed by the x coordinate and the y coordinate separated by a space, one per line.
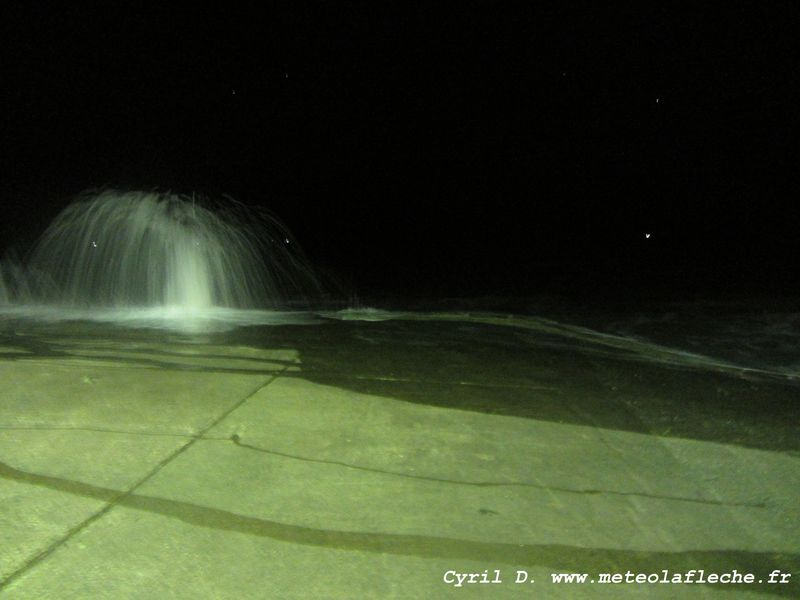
pixel 186 469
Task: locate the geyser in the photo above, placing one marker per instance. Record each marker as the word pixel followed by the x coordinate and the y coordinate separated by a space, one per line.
pixel 147 250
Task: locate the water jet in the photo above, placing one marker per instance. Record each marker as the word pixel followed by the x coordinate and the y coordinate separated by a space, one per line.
pixel 115 252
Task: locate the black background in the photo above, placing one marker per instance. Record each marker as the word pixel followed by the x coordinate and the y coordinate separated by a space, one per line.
pixel 431 149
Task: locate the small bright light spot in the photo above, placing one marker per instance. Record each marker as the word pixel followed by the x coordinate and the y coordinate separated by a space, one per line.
pixel 233 92
pixel 286 240
pixel 657 100
pixel 647 236
pixel 94 244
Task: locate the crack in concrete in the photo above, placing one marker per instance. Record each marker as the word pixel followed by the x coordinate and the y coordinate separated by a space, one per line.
pixel 193 437
pixel 588 491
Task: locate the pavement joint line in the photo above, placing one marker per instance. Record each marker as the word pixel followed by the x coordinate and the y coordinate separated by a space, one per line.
pixel 95 430
pixel 115 501
pixel 467 383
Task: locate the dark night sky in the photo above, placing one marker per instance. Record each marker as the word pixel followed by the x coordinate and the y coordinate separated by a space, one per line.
pixel 483 148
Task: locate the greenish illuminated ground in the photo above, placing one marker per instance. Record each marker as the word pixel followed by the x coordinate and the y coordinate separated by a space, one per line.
pixel 365 459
